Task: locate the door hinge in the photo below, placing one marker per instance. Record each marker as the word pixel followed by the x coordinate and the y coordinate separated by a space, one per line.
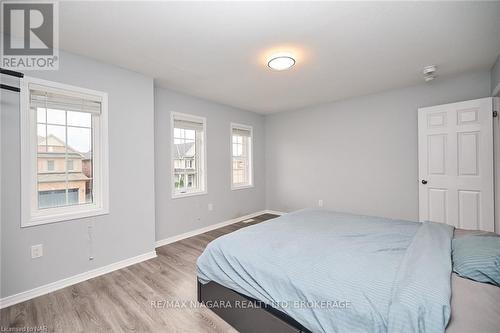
pixel 495 114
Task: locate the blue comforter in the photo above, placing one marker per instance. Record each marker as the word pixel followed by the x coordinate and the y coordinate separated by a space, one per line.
pixel 336 272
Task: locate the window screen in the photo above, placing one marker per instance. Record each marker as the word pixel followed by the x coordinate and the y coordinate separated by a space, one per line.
pixel 64 143
pixel 241 159
pixel 188 155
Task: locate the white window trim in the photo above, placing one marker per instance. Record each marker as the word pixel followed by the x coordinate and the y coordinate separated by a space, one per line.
pixel 250 164
pixel 188 117
pixel 30 214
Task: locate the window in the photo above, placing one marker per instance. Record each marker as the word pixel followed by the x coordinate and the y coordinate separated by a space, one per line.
pixel 50 165
pixel 188 155
pixel 64 135
pixel 241 156
pixel 47 199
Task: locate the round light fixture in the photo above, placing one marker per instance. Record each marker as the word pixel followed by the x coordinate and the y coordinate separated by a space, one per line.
pixel 281 62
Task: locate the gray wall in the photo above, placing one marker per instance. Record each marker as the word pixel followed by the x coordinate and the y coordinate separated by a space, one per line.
pixel 128 230
pixel 358 155
pixel 495 78
pixel 176 216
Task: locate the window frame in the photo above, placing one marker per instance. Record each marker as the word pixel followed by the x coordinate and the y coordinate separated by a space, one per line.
pixel 189 117
pixel 31 215
pixel 250 157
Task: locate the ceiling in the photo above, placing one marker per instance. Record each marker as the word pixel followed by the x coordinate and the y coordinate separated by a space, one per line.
pixel 218 50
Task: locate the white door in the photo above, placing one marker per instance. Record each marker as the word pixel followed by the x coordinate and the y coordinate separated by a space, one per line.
pixel 455 156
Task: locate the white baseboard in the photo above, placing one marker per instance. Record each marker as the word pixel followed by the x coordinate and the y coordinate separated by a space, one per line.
pixel 45 289
pixel 192 233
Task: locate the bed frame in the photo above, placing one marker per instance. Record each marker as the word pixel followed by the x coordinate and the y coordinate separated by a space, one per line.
pixel 244 313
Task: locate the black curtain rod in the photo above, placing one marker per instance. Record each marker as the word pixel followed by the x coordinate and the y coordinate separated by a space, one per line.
pixel 11 88
pixel 10 73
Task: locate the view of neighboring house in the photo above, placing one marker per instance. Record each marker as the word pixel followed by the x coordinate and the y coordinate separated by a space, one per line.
pixel 184 165
pixel 61 167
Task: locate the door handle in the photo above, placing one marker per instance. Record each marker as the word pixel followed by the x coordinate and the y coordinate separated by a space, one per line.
pixel 424 181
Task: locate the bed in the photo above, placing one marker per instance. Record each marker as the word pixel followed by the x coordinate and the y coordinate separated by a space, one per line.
pixel 321 271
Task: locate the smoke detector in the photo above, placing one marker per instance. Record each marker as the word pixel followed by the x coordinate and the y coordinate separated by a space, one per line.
pixel 429 73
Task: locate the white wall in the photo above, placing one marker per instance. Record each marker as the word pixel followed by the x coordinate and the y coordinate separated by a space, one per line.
pixel 358 155
pixel 180 215
pixel 128 230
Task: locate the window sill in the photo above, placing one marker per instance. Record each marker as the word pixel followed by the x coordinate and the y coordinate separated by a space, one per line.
pixel 242 187
pixel 187 194
pixel 60 216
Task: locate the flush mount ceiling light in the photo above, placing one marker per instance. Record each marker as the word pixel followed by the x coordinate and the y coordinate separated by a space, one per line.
pixel 281 62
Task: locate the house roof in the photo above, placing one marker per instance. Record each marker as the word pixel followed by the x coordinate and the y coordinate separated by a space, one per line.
pixel 54 141
pixel 183 150
pixel 61 177
pixel 87 155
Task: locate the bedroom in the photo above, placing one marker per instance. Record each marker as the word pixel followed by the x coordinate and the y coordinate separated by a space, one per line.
pixel 291 136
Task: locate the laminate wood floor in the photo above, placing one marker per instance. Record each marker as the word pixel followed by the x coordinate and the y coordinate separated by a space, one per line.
pixel 121 301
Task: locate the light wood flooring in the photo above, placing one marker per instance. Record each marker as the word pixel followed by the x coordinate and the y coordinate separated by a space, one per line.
pixel 121 301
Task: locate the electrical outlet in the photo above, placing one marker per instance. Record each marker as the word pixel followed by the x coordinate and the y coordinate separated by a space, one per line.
pixel 210 207
pixel 36 251
pixel 320 203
